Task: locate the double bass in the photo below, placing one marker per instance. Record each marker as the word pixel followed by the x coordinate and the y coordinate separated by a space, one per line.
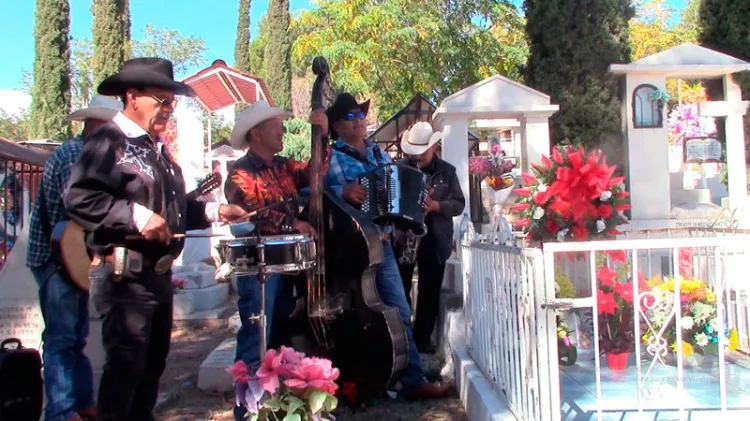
pixel 344 318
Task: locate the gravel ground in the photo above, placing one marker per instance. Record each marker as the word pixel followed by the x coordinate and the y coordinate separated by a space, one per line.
pixel 182 401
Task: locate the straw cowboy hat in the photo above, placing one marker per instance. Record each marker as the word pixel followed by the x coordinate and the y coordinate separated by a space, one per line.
pixel 144 72
pixel 100 108
pixel 419 138
pixel 251 117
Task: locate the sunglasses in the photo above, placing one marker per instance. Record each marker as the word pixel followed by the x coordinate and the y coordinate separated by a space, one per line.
pixel 172 103
pixel 351 116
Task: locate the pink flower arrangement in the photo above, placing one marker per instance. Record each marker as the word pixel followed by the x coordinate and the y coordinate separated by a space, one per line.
pixel 288 386
pixel 179 283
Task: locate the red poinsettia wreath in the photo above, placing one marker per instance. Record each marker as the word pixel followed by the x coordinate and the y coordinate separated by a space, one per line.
pixel 573 195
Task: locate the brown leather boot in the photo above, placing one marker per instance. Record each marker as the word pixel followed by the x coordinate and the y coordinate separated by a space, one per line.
pixel 430 391
pixel 90 414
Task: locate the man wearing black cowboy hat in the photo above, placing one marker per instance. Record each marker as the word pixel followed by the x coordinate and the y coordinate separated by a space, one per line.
pixel 130 195
pixel 351 156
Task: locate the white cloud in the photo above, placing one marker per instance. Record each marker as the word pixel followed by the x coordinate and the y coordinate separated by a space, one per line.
pixel 15 102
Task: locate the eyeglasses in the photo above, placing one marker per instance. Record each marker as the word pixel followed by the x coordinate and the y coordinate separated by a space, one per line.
pixel 351 116
pixel 172 103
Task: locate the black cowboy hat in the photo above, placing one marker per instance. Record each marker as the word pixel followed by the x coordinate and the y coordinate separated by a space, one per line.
pixel 341 105
pixel 144 72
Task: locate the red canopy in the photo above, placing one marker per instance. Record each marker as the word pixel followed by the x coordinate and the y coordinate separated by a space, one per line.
pixel 220 86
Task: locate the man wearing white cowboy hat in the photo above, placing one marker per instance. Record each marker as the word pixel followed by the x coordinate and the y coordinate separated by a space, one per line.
pixel 67 371
pixel 129 195
pixel 445 201
pixel 258 180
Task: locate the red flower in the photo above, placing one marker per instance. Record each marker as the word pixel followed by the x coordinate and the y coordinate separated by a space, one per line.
pixel 557 156
pixel 607 276
pixel 580 233
pixel 623 194
pixel 614 231
pixel 552 226
pixel 540 198
pixel 605 211
pixel 622 207
pixel 625 291
pixel 523 222
pixel 523 192
pixel 546 162
pixel 616 255
pixel 606 302
pixel 529 179
pixel 520 207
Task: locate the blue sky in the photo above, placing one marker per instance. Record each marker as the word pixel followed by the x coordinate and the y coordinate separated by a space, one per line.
pixel 213 20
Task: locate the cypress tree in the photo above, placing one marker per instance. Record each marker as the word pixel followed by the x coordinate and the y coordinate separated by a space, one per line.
pixel 572 43
pixel 278 66
pixel 51 89
pixel 109 43
pixel 242 43
pixel 125 17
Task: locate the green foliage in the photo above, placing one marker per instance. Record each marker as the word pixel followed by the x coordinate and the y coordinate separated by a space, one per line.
pixel 277 56
pixel 51 90
pixel 242 44
pixel 297 141
pixel 653 29
pixel 185 52
pixel 109 42
pixel 570 54
pixel 13 127
pixel 125 16
pixel 257 49
pixel 392 49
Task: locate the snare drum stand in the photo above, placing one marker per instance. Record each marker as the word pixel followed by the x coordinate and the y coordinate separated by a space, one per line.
pixel 260 318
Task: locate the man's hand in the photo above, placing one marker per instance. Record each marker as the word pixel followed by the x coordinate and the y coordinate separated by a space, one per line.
pixel 156 229
pixel 319 118
pixel 305 228
pixel 430 205
pixel 229 213
pixel 354 193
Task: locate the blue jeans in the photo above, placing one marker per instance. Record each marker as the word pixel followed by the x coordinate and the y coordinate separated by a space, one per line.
pixel 248 337
pixel 68 378
pixel 391 290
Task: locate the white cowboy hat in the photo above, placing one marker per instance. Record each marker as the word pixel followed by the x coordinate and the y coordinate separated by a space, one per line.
pixel 100 108
pixel 251 117
pixel 419 138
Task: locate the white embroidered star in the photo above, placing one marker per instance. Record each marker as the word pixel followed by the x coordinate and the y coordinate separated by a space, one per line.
pixel 138 156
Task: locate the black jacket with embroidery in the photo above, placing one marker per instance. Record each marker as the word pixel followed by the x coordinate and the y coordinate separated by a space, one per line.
pixel 114 171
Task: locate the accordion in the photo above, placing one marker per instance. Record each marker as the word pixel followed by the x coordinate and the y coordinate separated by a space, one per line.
pixel 395 195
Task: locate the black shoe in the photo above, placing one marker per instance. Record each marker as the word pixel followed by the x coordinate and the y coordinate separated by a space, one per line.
pixel 426 348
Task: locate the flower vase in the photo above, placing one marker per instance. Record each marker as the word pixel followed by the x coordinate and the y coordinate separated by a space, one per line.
pixel 617 362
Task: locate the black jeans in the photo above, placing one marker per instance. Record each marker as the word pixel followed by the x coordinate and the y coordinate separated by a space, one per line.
pixel 428 295
pixel 136 332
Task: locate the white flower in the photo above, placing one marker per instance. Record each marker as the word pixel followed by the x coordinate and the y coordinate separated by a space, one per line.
pixel 541 187
pixel 687 322
pixel 561 235
pixel 701 339
pixel 606 194
pixel 538 213
pixel 557 287
pixel 600 225
pixel 714 323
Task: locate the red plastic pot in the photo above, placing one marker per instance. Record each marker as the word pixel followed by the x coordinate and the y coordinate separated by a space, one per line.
pixel 617 361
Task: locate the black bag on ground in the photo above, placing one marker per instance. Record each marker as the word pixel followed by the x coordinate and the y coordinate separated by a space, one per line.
pixel 21 385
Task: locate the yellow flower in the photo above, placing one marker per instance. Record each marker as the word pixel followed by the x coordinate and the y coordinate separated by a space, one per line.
pixel 687 349
pixel 654 281
pixel 710 296
pixel 734 340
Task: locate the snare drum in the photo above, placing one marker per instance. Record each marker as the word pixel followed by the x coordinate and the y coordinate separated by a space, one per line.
pixel 279 253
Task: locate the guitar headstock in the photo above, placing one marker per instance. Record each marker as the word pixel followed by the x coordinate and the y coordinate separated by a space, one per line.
pixel 207 185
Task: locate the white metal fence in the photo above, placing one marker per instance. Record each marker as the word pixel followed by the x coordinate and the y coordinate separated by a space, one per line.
pixel 512 336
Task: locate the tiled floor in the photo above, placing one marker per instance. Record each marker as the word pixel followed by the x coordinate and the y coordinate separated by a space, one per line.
pixel 661 398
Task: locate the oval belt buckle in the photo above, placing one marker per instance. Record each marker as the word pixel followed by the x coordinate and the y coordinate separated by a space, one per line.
pixel 163 264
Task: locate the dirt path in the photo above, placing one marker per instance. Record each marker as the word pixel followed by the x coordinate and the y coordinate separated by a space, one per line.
pixel 182 401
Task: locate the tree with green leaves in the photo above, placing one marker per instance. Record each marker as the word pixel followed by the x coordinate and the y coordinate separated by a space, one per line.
pixel 570 55
pixel 14 127
pixel 392 49
pixel 125 17
pixel 50 93
pixel 277 57
pixel 242 44
pixel 109 41
pixel 297 139
pixel 257 49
